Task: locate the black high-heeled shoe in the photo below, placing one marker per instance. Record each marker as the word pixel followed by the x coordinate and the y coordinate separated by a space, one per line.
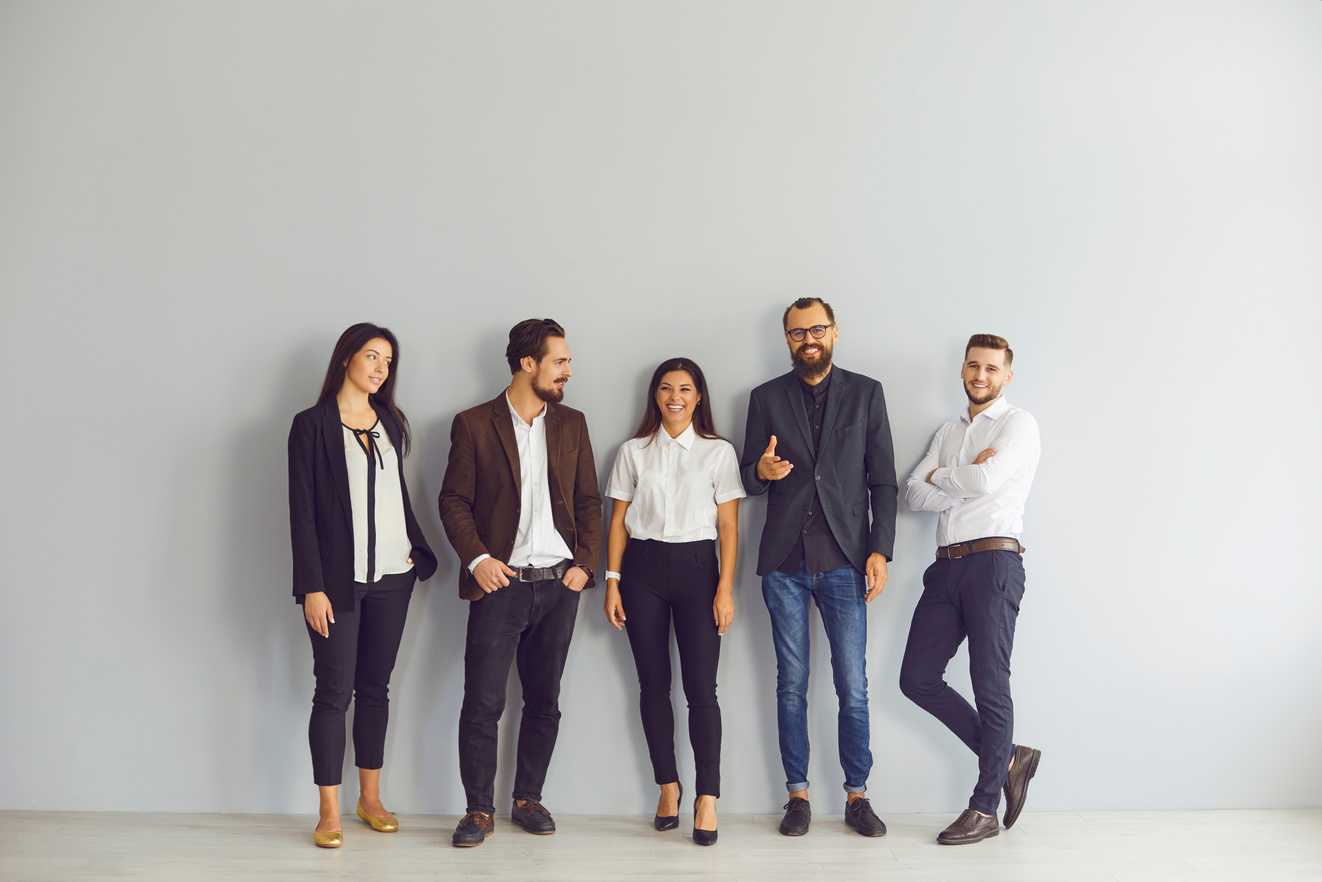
pixel 669 822
pixel 702 837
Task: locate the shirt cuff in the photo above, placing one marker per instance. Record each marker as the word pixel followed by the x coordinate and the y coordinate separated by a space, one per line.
pixel 477 560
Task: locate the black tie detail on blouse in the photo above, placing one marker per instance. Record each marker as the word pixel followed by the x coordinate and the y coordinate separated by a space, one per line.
pixel 367 440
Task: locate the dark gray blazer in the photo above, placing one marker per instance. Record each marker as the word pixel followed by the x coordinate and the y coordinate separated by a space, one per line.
pixel 854 472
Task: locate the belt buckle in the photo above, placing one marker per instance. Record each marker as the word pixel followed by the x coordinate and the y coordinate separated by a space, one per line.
pixel 518 573
pixel 963 551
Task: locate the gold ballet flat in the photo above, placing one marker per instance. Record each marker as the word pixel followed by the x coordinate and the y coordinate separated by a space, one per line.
pixel 333 839
pixel 388 824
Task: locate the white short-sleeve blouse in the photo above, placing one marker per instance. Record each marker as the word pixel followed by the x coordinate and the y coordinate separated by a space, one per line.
pixel 673 485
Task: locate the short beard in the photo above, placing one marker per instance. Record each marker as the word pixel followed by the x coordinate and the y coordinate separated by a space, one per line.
pixel 811 372
pixel 992 395
pixel 548 393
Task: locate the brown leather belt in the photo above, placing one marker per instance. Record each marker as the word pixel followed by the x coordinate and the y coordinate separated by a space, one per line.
pixel 964 549
pixel 541 574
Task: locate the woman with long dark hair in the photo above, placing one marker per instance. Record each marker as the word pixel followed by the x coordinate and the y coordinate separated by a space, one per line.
pixel 357 552
pixel 676 492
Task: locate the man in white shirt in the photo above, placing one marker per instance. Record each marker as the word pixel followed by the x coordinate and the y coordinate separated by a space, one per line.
pixel 976 473
pixel 520 505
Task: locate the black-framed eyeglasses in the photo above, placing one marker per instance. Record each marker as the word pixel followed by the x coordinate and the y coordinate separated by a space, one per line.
pixel 817 331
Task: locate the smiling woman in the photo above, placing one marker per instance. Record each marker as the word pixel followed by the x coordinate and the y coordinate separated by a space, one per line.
pixel 357 551
pixel 676 489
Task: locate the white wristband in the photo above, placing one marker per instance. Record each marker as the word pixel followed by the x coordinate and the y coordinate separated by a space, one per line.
pixel 611 574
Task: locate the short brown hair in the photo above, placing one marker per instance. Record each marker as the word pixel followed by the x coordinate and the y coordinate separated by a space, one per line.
pixel 528 340
pixel 990 341
pixel 804 303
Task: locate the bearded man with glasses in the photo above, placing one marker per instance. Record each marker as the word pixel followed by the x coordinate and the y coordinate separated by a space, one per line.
pixel 818 442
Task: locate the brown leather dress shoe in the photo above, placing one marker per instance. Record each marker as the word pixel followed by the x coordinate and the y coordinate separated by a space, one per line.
pixel 473 830
pixel 969 827
pixel 1016 781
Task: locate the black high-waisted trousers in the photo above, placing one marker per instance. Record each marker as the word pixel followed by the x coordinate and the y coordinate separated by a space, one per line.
pixel 661 582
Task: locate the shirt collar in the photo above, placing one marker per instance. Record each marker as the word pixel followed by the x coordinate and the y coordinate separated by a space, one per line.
pixel 684 440
pixel 820 389
pixel 994 411
pixel 518 420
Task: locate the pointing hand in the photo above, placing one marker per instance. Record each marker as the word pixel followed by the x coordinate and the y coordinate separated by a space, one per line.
pixel 771 467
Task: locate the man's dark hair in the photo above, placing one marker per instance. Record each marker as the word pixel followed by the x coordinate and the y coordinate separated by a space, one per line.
pixel 804 303
pixel 990 341
pixel 528 340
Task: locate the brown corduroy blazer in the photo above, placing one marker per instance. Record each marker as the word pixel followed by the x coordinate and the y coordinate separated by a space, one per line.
pixel 480 494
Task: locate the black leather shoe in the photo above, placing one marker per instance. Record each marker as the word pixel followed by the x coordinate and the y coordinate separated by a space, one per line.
pixel 532 816
pixel 670 822
pixel 969 827
pixel 702 837
pixel 1016 782
pixel 473 830
pixel 798 815
pixel 860 816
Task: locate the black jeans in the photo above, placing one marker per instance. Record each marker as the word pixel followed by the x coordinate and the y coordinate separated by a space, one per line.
pixel 976 597
pixel 355 662
pixel 661 581
pixel 534 622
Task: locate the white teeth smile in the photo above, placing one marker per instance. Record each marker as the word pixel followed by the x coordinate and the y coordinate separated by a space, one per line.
pixel 674 408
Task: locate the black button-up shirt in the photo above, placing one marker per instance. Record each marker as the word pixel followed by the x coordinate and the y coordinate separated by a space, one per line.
pixel 816 547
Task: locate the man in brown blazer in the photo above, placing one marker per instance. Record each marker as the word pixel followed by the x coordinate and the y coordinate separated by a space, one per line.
pixel 521 507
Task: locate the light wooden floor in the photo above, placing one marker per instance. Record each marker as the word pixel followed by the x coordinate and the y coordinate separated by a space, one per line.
pixel 1245 846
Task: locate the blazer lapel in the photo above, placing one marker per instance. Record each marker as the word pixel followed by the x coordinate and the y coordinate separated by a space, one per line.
pixel 332 434
pixel 552 426
pixel 501 419
pixel 795 395
pixel 839 384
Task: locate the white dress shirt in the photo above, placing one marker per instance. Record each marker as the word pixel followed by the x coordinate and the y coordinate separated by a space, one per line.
pixel 538 543
pixel 673 485
pixel 392 534
pixel 978 501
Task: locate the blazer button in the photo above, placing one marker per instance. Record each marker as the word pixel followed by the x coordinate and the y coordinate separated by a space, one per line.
pixel 819 477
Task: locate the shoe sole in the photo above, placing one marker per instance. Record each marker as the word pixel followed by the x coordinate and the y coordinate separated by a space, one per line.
pixel 862 832
pixel 519 823
pixel 473 844
pixel 1023 798
pixel 940 841
pixel 784 832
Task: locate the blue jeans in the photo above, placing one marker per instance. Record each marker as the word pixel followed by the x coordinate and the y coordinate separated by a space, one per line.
pixel 839 597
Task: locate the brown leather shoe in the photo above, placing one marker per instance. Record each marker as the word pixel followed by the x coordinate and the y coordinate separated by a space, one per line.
pixel 969 827
pixel 1016 782
pixel 473 830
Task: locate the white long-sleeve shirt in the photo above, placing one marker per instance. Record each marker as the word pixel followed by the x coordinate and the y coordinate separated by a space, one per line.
pixel 978 501
pixel 537 543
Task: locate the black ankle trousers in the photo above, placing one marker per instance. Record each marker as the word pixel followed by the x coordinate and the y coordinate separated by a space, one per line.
pixel 355 663
pixel 661 583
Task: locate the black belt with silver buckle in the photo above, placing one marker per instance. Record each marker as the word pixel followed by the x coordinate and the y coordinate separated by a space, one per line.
pixel 964 549
pixel 541 574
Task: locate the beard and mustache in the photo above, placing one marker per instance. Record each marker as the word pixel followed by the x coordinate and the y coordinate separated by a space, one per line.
pixel 549 393
pixel 812 371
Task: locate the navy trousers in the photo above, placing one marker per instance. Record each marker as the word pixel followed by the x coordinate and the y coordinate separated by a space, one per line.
pixel 975 597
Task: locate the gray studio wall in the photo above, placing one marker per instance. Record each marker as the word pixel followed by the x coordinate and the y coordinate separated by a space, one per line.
pixel 195 199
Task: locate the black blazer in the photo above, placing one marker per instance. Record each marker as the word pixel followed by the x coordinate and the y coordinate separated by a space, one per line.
pixel 320 519
pixel 854 471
